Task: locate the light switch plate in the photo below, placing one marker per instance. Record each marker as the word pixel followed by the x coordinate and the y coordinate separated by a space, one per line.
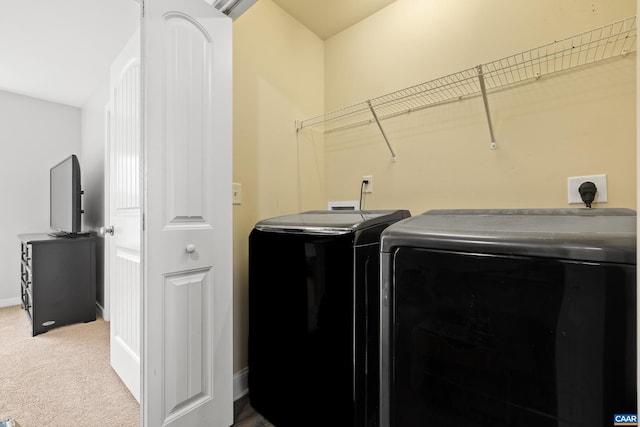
pixel 237 193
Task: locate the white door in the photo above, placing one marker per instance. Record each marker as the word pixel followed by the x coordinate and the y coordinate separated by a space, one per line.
pixel 123 214
pixel 187 283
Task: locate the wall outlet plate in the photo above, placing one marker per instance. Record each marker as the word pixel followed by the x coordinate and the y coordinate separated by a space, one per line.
pixel 574 182
pixel 368 187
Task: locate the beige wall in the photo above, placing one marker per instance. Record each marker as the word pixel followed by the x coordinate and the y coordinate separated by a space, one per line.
pixel 576 123
pixel 572 124
pixel 278 78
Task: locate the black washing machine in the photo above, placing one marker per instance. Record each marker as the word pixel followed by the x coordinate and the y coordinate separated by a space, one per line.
pixel 314 317
pixel 523 318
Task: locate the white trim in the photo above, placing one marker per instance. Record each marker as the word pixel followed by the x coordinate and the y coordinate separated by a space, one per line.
pixel 240 383
pixel 100 310
pixel 8 302
pixel 106 259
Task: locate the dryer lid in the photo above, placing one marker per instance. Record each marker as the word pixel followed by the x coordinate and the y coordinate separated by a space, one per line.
pixel 600 235
pixel 330 222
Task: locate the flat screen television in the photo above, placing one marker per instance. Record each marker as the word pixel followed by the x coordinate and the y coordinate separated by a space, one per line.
pixel 65 198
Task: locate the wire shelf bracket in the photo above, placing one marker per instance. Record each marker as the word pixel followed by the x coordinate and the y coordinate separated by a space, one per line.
pixel 483 89
pixel 384 135
pixel 617 39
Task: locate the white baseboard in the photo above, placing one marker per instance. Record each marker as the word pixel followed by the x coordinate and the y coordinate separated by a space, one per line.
pixel 10 301
pixel 240 383
pixel 100 310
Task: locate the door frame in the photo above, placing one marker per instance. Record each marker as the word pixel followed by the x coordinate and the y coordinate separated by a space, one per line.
pixel 107 175
pixel 106 294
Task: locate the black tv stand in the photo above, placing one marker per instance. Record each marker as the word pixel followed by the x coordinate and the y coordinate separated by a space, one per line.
pixel 58 280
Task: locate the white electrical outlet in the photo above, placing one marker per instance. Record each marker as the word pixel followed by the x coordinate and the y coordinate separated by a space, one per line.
pixel 574 182
pixel 368 187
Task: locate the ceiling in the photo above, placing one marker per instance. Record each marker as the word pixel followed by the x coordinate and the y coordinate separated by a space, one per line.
pixel 61 50
pixel 328 17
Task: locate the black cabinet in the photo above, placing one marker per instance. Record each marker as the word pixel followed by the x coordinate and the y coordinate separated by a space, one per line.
pixel 58 280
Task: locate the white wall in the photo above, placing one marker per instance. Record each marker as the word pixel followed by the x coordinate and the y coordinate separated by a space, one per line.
pixel 34 135
pixel 92 164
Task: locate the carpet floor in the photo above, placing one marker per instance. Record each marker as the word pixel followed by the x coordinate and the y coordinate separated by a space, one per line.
pixel 64 378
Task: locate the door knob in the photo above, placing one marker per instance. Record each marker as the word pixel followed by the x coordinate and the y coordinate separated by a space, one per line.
pixel 191 248
pixel 106 230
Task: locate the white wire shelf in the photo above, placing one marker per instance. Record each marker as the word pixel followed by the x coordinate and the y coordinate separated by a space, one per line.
pixel 608 41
